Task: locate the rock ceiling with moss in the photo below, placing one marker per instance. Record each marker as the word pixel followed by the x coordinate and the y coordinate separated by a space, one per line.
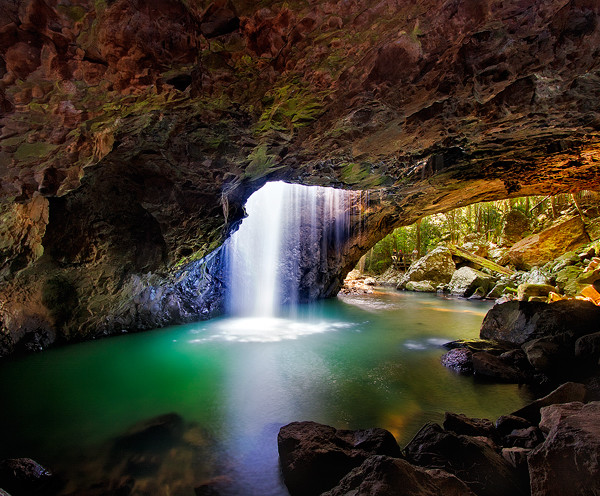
pixel 132 131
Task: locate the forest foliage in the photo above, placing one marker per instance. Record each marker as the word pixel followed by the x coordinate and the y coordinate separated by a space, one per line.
pixel 481 221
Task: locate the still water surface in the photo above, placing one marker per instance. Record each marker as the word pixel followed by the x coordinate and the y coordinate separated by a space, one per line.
pixel 356 362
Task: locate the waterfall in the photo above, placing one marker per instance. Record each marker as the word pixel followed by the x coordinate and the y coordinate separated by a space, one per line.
pixel 282 252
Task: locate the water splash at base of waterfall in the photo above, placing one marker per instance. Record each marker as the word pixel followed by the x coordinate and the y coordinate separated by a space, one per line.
pixel 284 247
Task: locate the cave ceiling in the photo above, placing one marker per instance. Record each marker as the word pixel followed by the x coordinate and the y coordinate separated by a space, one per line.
pixel 132 132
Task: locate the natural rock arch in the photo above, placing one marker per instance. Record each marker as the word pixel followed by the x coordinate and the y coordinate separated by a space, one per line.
pixel 115 176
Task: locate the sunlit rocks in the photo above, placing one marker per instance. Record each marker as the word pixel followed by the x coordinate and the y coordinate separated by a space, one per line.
pixel 466 280
pixel 436 268
pixel 540 248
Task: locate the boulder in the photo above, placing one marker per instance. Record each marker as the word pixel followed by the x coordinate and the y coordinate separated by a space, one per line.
pixel 156 434
pixel 478 294
pixel 551 416
pixel 420 286
pixel 472 459
pixel 544 355
pixel 25 476
pixel 520 321
pixel 517 458
pixel 536 275
pixel 461 424
pixel 588 347
pixel 459 359
pixel 391 277
pixel 568 461
pixel 516 223
pixel 385 476
pixel 565 393
pixel 508 423
pixel 498 290
pixel 528 437
pixel 465 281
pixel 437 267
pixel 315 457
pixel 547 245
pixel 495 368
pixel 528 290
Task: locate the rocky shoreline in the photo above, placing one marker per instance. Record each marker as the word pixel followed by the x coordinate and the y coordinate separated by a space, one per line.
pixel 549 447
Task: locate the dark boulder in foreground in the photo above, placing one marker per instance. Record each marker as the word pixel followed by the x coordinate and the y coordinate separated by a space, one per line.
pixel 568 461
pixel 517 322
pixel 315 457
pixel 385 476
pixel 25 476
pixel 472 459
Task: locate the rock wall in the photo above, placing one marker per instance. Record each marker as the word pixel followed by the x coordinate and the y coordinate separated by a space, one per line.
pixel 133 132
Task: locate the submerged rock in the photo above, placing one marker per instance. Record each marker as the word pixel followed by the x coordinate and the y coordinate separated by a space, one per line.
pixel 314 457
pixel 385 476
pixel 25 476
pixel 568 461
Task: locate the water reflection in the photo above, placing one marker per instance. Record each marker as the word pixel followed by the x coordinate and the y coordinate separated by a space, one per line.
pixel 236 381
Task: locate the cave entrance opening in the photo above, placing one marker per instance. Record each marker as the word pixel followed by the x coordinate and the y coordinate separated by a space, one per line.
pixel 285 252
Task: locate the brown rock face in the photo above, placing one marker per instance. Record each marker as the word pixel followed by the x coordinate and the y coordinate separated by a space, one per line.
pixel 568 461
pixel 132 132
pixel 314 457
pixel 387 476
pixel 540 248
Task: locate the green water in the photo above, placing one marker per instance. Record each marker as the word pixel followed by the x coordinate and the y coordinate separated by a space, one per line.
pixel 359 362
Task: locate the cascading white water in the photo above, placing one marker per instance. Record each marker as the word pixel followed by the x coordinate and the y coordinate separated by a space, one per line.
pixel 282 250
